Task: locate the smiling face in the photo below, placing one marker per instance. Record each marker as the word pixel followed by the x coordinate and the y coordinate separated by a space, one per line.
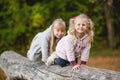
pixel 58 31
pixel 81 25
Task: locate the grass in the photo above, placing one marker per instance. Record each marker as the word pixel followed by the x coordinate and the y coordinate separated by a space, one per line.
pixel 104 52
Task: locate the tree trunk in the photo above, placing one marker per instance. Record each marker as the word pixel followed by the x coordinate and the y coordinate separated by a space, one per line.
pixel 17 67
pixel 108 14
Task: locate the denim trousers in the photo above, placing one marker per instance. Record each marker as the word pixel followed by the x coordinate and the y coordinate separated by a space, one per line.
pixel 61 62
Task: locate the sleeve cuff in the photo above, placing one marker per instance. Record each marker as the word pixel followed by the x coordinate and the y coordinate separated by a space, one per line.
pixel 83 62
pixel 72 63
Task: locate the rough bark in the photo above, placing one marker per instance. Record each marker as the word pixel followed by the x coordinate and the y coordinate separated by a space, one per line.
pixel 17 67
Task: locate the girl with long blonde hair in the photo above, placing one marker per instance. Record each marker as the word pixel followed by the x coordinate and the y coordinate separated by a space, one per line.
pixel 74 48
pixel 44 42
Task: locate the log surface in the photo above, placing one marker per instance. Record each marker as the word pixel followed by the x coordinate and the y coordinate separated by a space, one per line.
pixel 17 67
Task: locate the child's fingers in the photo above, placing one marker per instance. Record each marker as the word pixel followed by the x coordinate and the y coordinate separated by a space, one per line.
pixel 76 67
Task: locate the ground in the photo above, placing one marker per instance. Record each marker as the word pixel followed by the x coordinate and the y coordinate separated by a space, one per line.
pixel 105 58
pixel 111 63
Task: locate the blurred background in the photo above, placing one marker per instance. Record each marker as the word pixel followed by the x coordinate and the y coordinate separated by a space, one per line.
pixel 21 20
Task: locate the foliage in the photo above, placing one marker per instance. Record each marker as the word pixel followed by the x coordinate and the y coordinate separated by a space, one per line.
pixel 18 22
pixel 21 20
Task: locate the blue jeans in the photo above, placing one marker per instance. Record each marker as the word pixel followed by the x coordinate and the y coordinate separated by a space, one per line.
pixel 61 62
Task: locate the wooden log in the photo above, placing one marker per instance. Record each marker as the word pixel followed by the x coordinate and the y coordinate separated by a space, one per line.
pixel 17 67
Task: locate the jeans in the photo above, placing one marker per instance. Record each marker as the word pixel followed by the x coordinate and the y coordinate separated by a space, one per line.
pixel 61 62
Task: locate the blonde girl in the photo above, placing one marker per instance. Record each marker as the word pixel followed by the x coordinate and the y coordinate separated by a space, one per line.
pixel 44 42
pixel 74 47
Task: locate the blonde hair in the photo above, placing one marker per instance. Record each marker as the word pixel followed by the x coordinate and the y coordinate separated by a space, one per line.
pixel 72 30
pixel 60 22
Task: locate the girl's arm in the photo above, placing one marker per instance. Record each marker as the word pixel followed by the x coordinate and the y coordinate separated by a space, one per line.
pixel 34 48
pixel 85 54
pixel 45 44
pixel 44 50
pixel 71 53
pixel 69 48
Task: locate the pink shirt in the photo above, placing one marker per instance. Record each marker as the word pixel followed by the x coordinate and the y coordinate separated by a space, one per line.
pixel 69 50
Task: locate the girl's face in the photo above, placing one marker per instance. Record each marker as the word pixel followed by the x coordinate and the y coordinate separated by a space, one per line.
pixel 58 31
pixel 81 26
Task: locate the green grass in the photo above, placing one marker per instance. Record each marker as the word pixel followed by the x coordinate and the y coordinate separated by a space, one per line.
pixel 104 52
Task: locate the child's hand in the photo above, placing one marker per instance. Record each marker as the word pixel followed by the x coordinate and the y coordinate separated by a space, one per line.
pixel 76 67
pixel 46 63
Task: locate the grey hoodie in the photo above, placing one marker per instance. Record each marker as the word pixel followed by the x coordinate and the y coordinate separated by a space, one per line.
pixel 40 44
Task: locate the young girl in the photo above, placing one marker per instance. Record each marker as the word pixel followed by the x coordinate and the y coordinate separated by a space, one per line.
pixel 76 45
pixel 44 42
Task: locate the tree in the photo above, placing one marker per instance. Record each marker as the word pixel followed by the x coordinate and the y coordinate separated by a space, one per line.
pixel 109 22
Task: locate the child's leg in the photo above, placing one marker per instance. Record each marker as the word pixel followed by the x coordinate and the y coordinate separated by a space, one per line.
pixel 61 62
pixel 51 58
pixel 33 57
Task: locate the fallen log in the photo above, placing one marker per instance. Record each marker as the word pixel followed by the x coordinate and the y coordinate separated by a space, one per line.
pixel 17 67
